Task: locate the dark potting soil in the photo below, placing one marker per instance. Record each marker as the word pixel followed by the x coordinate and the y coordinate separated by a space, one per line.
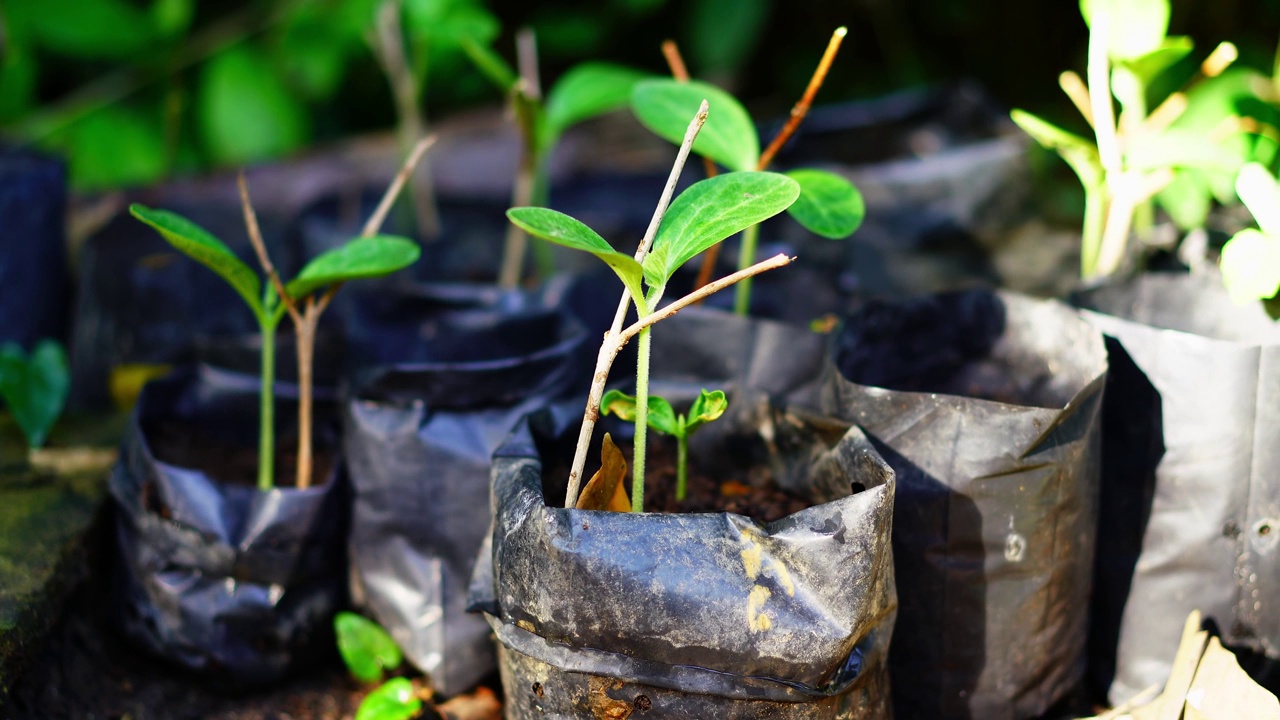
pixel 190 445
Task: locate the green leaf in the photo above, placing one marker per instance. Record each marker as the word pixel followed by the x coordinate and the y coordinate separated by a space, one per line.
pixel 1187 199
pixel 35 388
pixel 1258 191
pixel 1079 153
pixel 828 205
pixel 490 64
pixel 246 113
pixel 394 700
pixel 707 407
pixel 728 137
pixel 587 90
pixel 360 258
pixel 563 230
pixel 710 211
pixel 723 33
pixel 1251 266
pixel 172 17
pixel 115 146
pixel 1135 27
pixel 365 647
pixel 662 417
pixel 86 28
pixel 196 242
pixel 1176 148
pixel 1146 68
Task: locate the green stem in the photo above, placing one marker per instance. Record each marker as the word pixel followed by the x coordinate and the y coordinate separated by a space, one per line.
pixel 266 414
pixel 746 258
pixel 682 463
pixel 1095 220
pixel 642 420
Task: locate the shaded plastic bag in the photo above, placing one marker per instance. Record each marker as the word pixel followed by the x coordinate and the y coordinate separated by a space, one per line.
pixel 33 249
pixel 698 615
pixel 235 583
pixel 418 436
pixel 1191 474
pixel 987 407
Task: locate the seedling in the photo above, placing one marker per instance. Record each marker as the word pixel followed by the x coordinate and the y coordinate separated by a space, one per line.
pixel 34 387
pixel 704 214
pixel 585 91
pixel 828 205
pixel 1251 258
pixel 663 418
pixel 1138 155
pixel 304 298
pixel 368 652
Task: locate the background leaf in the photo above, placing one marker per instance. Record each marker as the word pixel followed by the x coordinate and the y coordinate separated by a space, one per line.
pixel 721 34
pixel 114 146
pixel 198 244
pixel 587 90
pixel 246 112
pixel 563 230
pixel 1079 153
pixel 828 205
pixel 1259 192
pixel 360 258
pixel 728 137
pixel 365 647
pixel 1136 27
pixel 395 700
pixel 1251 266
pixel 707 407
pixel 710 211
pixel 35 388
pixel 86 28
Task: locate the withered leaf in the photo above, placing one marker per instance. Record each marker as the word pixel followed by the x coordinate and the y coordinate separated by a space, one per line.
pixel 607 489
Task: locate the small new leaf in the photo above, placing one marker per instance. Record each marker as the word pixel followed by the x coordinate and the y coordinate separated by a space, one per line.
pixel 563 230
pixel 709 406
pixel 588 90
pixel 1251 266
pixel 34 388
pixel 365 647
pixel 828 205
pixel 661 415
pixel 1079 153
pixel 361 258
pixel 607 488
pixel 395 700
pixel 201 246
pixel 728 137
pixel 1135 27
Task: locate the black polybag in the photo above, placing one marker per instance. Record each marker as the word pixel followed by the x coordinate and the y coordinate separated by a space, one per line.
pixel 699 615
pixel 33 249
pixel 994 523
pixel 235 583
pixel 1191 474
pixel 419 433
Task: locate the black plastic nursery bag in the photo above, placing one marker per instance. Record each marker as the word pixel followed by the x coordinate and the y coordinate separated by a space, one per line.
pixel 698 615
pixel 987 407
pixel 1191 473
pixel 419 436
pixel 224 579
pixel 33 248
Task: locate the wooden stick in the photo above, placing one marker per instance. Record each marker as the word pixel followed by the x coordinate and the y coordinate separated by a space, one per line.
pixel 372 225
pixel 260 247
pixel 806 101
pixel 1078 92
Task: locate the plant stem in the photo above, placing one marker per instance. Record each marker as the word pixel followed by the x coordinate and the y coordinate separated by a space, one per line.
pixel 1095 219
pixel 643 352
pixel 306 337
pixel 682 463
pixel 513 251
pixel 746 257
pixel 613 341
pixel 266 409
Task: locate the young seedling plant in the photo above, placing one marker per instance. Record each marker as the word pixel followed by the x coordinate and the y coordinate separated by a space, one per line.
pixel 369 652
pixel 34 387
pixel 704 214
pixel 1251 258
pixel 828 205
pixel 304 298
pixel 662 417
pixel 586 91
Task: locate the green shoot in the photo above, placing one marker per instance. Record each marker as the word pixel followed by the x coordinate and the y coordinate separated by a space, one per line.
pixel 368 651
pixel 34 387
pixel 663 418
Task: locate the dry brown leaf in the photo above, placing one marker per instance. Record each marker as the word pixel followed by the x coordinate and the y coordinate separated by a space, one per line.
pixel 479 705
pixel 1222 690
pixel 607 488
pixel 1190 650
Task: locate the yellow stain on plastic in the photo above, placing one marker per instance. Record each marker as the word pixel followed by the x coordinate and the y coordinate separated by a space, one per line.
pixel 757 620
pixel 126 381
pixel 751 558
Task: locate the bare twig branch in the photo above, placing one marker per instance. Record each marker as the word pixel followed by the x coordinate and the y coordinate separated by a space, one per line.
pixel 260 247
pixel 806 101
pixel 379 215
pixel 1078 92
pixel 527 61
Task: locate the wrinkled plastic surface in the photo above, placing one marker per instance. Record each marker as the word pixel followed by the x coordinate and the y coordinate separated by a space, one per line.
pixel 1191 471
pixel 994 523
pixel 698 615
pixel 419 434
pixel 235 583
pixel 33 255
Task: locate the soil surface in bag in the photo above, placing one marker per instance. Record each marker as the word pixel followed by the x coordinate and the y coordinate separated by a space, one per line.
pixel 1191 477
pixel 219 577
pixel 33 254
pixel 419 434
pixel 987 407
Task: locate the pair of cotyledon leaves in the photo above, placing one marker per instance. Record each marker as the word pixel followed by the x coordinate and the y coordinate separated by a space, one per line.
pixel 364 257
pixel 368 651
pixel 662 417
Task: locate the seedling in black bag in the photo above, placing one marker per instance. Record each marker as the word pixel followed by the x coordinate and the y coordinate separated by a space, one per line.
pixel 828 205
pixel 704 214
pixel 663 418
pixel 304 298
pixel 33 387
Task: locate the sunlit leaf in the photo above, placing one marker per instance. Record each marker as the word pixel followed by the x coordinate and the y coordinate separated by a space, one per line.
pixel 1187 199
pixel 1149 66
pixel 710 211
pixel 661 416
pixel 561 229
pixel 828 205
pixel 394 700
pixel 1251 266
pixel 1135 27
pixel 607 488
pixel 246 113
pixel 1079 153
pixel 360 258
pixel 588 90
pixel 728 137
pixel 198 244
pixel 34 388
pixel 365 647
pixel 1260 193
pixel 1177 148
pixel 707 407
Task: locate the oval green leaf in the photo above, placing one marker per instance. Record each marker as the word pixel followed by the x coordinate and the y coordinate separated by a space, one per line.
pixel 828 205
pixel 662 417
pixel 728 137
pixel 709 406
pixel 1260 193
pixel 365 647
pixel 1135 27
pixel 395 700
pixel 710 211
pixel 1251 266
pixel 563 230
pixel 201 246
pixel 246 112
pixel 34 388
pixel 361 258
pixel 587 90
